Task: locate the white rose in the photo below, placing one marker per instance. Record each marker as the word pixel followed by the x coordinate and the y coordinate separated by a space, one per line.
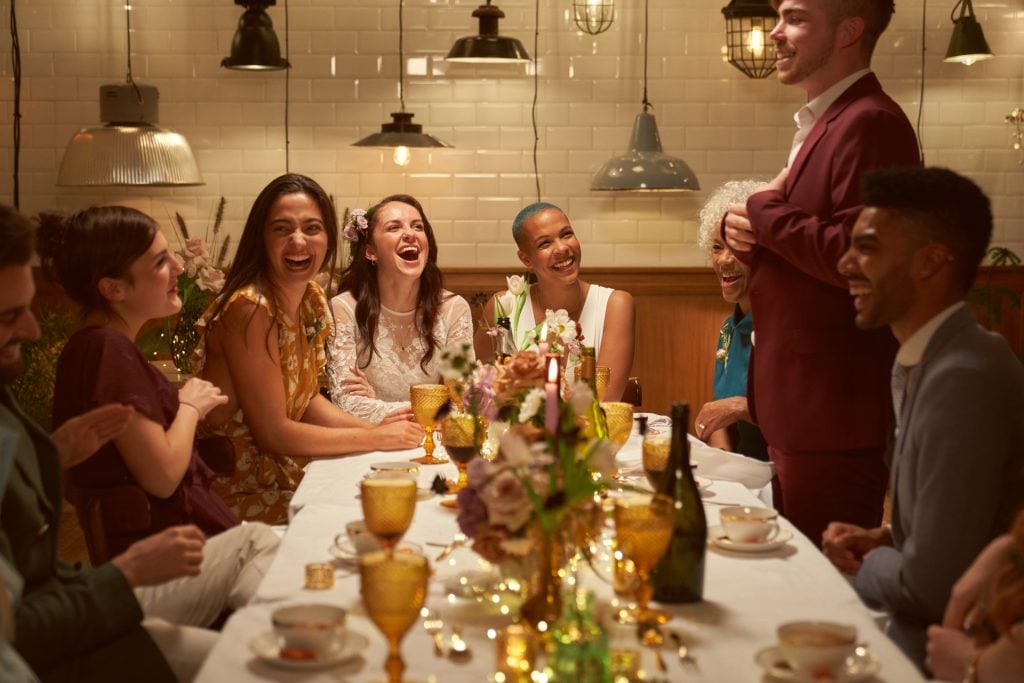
pixel 514 450
pixel 530 404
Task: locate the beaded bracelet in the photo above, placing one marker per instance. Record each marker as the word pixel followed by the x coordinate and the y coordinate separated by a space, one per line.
pixel 971 668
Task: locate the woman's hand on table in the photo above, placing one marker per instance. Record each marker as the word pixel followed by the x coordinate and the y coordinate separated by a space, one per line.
pixel 398 436
pixel 719 414
pixel 403 414
pixel 356 384
pixel 847 544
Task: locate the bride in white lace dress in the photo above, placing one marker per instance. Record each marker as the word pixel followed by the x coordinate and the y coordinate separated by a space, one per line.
pixel 393 318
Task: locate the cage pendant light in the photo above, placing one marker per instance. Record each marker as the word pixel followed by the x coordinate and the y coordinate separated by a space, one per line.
pixel 593 16
pixel 401 133
pixel 488 47
pixel 748 24
pixel 967 45
pixel 645 167
pixel 130 149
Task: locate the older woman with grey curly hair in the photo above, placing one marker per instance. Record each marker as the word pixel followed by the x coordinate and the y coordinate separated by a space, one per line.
pixel 725 421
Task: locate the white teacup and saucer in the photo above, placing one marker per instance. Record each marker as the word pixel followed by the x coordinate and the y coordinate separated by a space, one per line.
pixel 311 636
pixel 748 529
pixel 812 651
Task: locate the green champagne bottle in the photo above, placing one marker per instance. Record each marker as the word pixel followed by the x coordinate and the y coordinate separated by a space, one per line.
pixel 505 345
pixel 597 422
pixel 679 576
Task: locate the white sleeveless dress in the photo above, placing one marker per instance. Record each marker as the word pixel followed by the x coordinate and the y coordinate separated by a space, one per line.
pixel 590 324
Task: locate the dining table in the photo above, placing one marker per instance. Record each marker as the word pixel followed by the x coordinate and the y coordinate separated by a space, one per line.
pixel 729 634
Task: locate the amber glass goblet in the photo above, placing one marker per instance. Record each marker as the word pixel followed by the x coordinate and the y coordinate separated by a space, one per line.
pixel 458 436
pixel 394 588
pixel 602 373
pixel 388 507
pixel 620 422
pixel 643 530
pixel 656 446
pixel 426 400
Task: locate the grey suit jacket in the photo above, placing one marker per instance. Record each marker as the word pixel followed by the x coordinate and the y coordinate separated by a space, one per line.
pixel 957 475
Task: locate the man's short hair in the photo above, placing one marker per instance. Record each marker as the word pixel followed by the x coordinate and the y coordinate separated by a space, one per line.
pixel 947 207
pixel 15 238
pixel 525 214
pixel 875 13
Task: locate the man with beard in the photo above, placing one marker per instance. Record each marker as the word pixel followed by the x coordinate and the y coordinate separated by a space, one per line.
pixel 75 623
pixel 817 386
pixel 957 390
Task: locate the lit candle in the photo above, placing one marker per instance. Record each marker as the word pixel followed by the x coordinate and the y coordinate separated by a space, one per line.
pixel 551 394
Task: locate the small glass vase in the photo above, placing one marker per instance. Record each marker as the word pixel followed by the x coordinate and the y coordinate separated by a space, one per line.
pixel 544 603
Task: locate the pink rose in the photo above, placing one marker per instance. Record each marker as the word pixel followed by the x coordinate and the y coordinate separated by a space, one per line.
pixel 210 280
pixel 507 501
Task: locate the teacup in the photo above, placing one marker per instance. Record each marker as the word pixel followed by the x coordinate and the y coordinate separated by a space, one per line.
pixel 743 524
pixel 362 540
pixel 817 648
pixel 309 631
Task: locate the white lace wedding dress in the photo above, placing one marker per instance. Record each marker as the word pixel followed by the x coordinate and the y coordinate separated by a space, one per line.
pixel 396 365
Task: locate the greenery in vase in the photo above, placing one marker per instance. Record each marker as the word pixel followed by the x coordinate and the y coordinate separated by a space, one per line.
pixel 198 285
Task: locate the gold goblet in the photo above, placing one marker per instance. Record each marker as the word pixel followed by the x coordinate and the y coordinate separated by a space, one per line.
pixel 388 507
pixel 643 530
pixel 656 446
pixel 602 373
pixel 426 400
pixel 459 438
pixel 394 589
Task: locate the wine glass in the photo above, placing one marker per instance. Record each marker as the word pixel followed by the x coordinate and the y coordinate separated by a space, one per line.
pixel 426 400
pixel 459 438
pixel 656 446
pixel 643 530
pixel 394 588
pixel 388 507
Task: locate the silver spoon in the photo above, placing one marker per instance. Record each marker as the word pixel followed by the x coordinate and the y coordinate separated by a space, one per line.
pixel 682 650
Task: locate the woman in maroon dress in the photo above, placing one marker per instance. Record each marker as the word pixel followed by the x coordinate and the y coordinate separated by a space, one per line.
pixel 114 262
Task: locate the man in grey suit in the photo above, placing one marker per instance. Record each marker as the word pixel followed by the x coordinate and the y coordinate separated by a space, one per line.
pixel 958 395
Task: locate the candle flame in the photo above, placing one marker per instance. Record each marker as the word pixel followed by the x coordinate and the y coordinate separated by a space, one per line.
pixel 553 369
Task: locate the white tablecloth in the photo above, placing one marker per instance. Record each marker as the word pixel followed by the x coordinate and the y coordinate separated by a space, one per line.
pixel 746 595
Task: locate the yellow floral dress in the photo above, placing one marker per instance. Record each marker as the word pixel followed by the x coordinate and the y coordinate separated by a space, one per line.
pixel 263 483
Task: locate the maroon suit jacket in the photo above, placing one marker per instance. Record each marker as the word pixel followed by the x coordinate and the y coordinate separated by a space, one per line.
pixel 816 382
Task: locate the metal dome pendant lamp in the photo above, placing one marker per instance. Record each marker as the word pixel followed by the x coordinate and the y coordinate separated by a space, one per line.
pixel 401 134
pixel 645 167
pixel 488 47
pixel 255 46
pixel 130 149
pixel 967 45
pixel 748 24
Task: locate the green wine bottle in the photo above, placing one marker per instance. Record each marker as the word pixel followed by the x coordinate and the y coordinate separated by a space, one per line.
pixel 597 422
pixel 505 345
pixel 679 576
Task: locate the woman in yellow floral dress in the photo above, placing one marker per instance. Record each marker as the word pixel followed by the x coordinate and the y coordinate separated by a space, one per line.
pixel 262 342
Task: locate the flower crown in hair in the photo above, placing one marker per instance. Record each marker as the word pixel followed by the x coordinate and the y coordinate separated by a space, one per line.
pixel 356 225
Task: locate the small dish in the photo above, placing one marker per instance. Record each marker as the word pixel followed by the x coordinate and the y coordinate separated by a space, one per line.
pixel 450 501
pixel 717 538
pixel 396 466
pixel 267 647
pixel 342 549
pixel 860 666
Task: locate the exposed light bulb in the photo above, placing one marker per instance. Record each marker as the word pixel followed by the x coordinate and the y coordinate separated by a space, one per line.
pixel 401 156
pixel 756 41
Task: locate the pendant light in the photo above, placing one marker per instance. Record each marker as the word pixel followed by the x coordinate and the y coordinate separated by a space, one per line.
pixel 488 47
pixel 593 16
pixel 255 46
pixel 967 45
pixel 131 149
pixel 645 167
pixel 748 24
pixel 401 133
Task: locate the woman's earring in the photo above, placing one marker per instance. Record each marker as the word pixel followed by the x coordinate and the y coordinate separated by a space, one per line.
pixel 373 262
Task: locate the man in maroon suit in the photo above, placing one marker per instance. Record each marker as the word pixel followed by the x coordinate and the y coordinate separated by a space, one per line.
pixel 818 386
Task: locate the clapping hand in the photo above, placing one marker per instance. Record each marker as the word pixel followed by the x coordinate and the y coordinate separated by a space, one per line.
pixel 80 437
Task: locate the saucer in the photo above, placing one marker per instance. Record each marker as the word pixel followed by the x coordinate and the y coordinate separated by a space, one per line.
pixel 343 550
pixel 267 647
pixel 717 538
pixel 860 666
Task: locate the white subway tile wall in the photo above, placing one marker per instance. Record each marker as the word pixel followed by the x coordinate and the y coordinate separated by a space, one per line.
pixel 344 85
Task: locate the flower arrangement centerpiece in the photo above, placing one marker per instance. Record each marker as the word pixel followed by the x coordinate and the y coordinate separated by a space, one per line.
pixel 538 493
pixel 204 261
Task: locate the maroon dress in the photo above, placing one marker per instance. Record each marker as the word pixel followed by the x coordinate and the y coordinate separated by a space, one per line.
pixel 99 365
